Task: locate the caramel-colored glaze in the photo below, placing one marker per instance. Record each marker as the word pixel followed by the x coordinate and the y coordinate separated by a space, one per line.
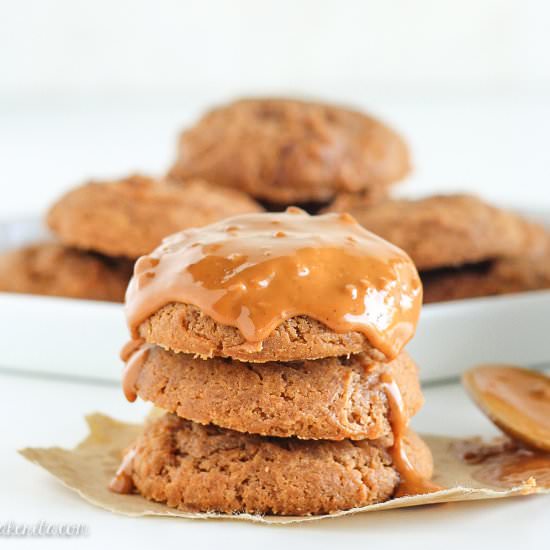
pixel 505 463
pixel 129 348
pixel 134 364
pixel 255 271
pixel 122 481
pixel 517 400
pixel 514 469
pixel 411 481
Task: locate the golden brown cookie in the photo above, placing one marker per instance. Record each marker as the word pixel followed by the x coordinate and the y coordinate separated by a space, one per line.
pixel 336 398
pixel 185 328
pixel 52 269
pixel 450 230
pixel 348 202
pixel 208 469
pixel 288 151
pixel 130 217
pixel 502 276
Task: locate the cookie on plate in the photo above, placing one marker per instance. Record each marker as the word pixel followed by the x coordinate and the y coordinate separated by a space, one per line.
pixel 451 230
pixel 209 469
pixel 288 151
pixel 129 217
pixel 503 276
pixel 335 398
pixel 51 269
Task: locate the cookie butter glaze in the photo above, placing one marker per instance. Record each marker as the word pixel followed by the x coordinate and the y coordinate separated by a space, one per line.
pixel 411 480
pixel 133 365
pixel 505 463
pixel 122 481
pixel 513 469
pixel 255 271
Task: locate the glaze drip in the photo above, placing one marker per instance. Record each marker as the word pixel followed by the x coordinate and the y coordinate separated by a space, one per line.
pixel 411 481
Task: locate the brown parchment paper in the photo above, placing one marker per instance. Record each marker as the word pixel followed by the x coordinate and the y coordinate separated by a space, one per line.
pixel 88 468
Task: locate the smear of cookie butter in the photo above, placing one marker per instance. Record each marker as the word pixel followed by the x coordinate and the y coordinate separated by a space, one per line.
pixel 505 462
pixel 256 270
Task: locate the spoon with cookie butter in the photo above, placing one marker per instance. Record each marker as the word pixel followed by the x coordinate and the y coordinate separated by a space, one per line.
pixel 516 400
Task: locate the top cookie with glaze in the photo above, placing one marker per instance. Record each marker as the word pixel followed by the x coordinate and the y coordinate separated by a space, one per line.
pixel 276 287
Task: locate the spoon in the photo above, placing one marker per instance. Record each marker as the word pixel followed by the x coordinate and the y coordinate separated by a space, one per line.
pixel 515 399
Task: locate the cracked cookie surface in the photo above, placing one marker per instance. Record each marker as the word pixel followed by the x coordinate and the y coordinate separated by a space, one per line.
pixel 336 398
pixel 205 468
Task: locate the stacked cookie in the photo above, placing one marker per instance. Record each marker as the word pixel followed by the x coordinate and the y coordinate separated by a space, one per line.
pixel 275 344
pixel 102 227
pixel 462 246
pixel 286 152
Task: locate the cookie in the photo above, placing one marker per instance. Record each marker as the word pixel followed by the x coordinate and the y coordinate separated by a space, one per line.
pixel 288 151
pixel 51 269
pixel 131 216
pixel 347 202
pixel 208 469
pixel 336 398
pixel 503 276
pixel 450 230
pixel 185 328
pixel 276 287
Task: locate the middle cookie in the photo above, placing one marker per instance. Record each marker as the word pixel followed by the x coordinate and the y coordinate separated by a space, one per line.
pixel 335 398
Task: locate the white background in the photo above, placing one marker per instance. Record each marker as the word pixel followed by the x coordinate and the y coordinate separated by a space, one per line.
pixel 101 88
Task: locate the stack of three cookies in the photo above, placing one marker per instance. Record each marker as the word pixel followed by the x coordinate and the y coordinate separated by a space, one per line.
pixel 275 344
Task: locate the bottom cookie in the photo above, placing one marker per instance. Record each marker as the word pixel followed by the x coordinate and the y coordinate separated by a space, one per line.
pixel 51 269
pixel 503 276
pixel 204 468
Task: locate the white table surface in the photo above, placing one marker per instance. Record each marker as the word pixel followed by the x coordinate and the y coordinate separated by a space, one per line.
pixel 42 412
